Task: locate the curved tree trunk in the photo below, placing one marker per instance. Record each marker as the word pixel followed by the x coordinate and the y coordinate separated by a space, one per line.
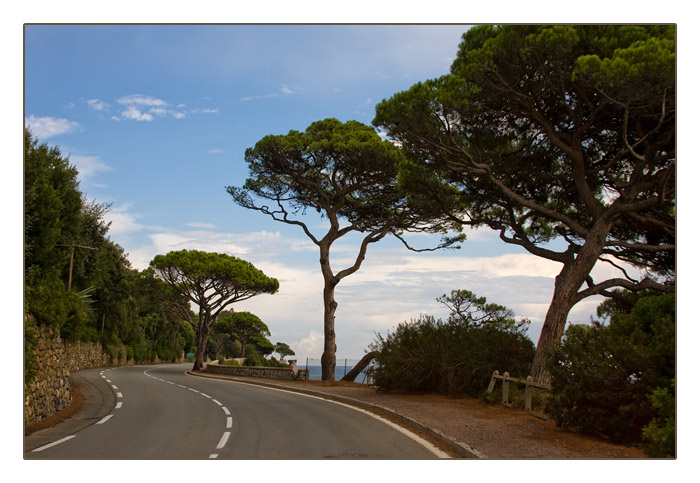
pixel 360 366
pixel 566 288
pixel 554 324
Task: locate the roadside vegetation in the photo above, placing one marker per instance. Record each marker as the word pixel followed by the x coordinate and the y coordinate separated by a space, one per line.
pixel 456 356
pixel 559 138
pixel 613 379
pixel 79 281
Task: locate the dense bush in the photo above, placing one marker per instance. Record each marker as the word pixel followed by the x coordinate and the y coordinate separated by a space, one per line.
pixel 660 434
pixel 450 357
pixel 604 377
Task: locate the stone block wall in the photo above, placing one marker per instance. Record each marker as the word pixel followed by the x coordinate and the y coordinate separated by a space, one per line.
pixel 283 373
pixel 50 390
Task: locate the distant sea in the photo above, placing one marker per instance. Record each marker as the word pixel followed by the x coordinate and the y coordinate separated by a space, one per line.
pixel 315 373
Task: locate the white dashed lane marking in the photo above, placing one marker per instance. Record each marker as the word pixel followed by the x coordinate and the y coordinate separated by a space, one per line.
pixel 229 419
pixel 47 446
pixel 224 440
pixel 105 419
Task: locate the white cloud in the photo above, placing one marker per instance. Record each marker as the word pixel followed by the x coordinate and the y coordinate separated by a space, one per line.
pixel 123 222
pixel 285 90
pixel 97 104
pixel 392 285
pixel 158 111
pixel 197 110
pixel 215 151
pixel 204 226
pixel 310 346
pixel 88 166
pixel 141 100
pixel 133 113
pixel 46 127
pixel 144 108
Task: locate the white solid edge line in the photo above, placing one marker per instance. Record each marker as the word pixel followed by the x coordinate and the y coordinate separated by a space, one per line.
pixel 46 446
pixel 426 444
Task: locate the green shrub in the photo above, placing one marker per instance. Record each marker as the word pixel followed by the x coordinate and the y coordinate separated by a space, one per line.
pixel 603 376
pixel 448 357
pixel 660 434
pixel 252 357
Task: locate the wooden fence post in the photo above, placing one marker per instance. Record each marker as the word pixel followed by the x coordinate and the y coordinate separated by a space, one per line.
pixel 492 384
pixel 528 394
pixel 506 388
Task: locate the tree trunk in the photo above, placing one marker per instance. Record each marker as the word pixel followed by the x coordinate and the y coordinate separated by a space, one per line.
pixel 329 347
pixel 243 343
pixel 566 288
pixel 202 336
pixel 360 366
pixel 554 324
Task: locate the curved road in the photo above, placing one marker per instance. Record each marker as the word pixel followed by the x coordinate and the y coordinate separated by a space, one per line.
pixel 162 413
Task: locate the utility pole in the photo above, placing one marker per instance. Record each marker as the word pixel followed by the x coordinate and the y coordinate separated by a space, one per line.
pixel 70 266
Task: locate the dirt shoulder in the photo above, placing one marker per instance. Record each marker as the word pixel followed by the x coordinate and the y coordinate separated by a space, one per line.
pixel 488 430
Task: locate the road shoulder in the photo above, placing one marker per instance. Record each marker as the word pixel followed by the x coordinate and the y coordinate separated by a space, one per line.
pixel 98 401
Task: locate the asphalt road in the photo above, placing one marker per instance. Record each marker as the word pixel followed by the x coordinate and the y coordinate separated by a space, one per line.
pixel 160 412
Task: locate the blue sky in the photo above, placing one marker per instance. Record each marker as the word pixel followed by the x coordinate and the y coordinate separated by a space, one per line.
pixel 166 177
pixel 157 119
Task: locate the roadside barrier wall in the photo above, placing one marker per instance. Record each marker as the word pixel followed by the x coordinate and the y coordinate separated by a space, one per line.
pixel 283 373
pixel 50 390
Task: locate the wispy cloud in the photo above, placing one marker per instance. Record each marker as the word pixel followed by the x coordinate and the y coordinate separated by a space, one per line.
pixel 123 221
pixel 198 110
pixel 216 151
pixel 141 100
pixel 46 127
pixel 202 225
pixel 134 113
pixel 97 104
pixel 89 167
pixel 139 107
pixel 285 90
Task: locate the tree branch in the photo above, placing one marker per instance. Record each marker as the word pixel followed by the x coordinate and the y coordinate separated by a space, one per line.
pixel 602 287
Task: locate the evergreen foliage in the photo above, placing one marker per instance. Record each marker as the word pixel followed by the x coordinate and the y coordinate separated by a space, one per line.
pixel 453 357
pixel 614 380
pixel 553 131
pixel 107 300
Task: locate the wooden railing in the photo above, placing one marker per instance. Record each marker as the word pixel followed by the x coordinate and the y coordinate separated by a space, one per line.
pixel 530 387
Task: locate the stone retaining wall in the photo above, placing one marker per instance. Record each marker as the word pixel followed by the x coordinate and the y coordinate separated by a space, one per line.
pixel 50 389
pixel 263 372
